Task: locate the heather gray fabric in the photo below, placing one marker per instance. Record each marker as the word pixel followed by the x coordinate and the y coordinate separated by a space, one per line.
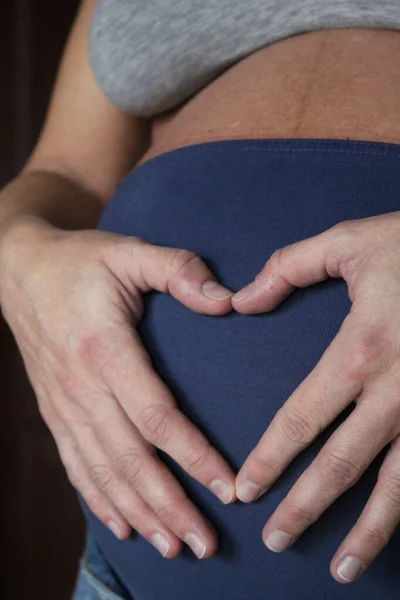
pixel 150 55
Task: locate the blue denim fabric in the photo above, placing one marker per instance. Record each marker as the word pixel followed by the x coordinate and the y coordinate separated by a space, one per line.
pixel 234 203
pixel 96 580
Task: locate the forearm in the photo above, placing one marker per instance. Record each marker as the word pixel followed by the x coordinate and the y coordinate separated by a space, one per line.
pixel 87 145
pixel 51 196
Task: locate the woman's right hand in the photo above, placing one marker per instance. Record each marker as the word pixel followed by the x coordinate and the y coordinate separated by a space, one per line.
pixel 73 301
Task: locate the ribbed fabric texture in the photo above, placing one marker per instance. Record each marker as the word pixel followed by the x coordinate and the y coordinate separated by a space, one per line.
pixel 150 55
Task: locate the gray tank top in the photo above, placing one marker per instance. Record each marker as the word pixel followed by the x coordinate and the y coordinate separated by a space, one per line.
pixel 150 55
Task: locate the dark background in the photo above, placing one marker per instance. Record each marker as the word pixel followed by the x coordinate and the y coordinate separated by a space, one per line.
pixel 41 526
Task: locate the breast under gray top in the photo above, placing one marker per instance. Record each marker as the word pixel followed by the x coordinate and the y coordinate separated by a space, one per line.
pixel 150 55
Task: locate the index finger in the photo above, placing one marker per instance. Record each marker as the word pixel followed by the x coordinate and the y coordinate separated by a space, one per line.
pixel 316 402
pixel 150 405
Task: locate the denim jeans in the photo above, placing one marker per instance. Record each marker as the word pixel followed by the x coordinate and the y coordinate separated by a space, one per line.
pixel 96 580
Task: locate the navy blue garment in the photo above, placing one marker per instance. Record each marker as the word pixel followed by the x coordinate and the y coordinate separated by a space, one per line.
pixel 234 203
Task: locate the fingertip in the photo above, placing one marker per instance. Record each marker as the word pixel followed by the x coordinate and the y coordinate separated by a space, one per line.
pixel 256 305
pixel 125 533
pixel 175 547
pixel 335 575
pixel 211 548
pixel 223 490
pixel 119 528
pixel 212 308
pixel 202 541
pixel 218 307
pixel 252 304
pixel 172 554
pixel 348 569
pixel 248 491
pixel 168 545
pixel 215 291
pixel 234 497
pixel 245 293
pixel 204 299
pixel 263 294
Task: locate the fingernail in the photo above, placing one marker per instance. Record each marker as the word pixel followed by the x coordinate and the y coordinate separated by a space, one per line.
pixel 245 292
pixel 222 490
pixel 350 568
pixel 160 542
pixel 247 491
pixel 278 541
pixel 216 291
pixel 196 543
pixel 115 528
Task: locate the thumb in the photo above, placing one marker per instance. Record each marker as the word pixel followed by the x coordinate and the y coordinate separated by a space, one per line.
pixel 179 272
pixel 297 265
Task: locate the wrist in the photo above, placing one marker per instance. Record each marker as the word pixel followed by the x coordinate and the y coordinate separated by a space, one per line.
pixel 57 199
pixel 20 239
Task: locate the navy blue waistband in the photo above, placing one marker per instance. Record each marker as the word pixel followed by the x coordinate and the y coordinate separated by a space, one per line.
pixel 291 145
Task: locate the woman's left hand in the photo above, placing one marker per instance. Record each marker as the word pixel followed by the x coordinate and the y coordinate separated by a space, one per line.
pixel 361 365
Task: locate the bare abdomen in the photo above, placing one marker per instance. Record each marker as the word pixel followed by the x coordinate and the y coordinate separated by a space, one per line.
pixel 342 83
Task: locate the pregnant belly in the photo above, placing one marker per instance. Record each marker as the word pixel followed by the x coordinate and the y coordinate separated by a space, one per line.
pixel 234 203
pixel 340 83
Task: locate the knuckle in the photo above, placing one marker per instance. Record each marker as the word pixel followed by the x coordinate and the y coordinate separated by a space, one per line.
pixel 101 476
pixel 273 265
pixel 127 245
pixel 137 521
pixel 340 258
pixel 297 428
pixel 197 460
pixel 373 343
pixel 129 466
pixel 81 428
pixel 136 517
pixel 369 353
pixel 67 449
pixel 338 470
pixel 69 382
pixel 275 259
pixel 181 259
pixel 301 516
pixel 91 350
pixel 155 424
pixel 391 486
pixel 343 233
pixel 372 536
pixel 356 364
pixel 169 512
pixel 263 469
